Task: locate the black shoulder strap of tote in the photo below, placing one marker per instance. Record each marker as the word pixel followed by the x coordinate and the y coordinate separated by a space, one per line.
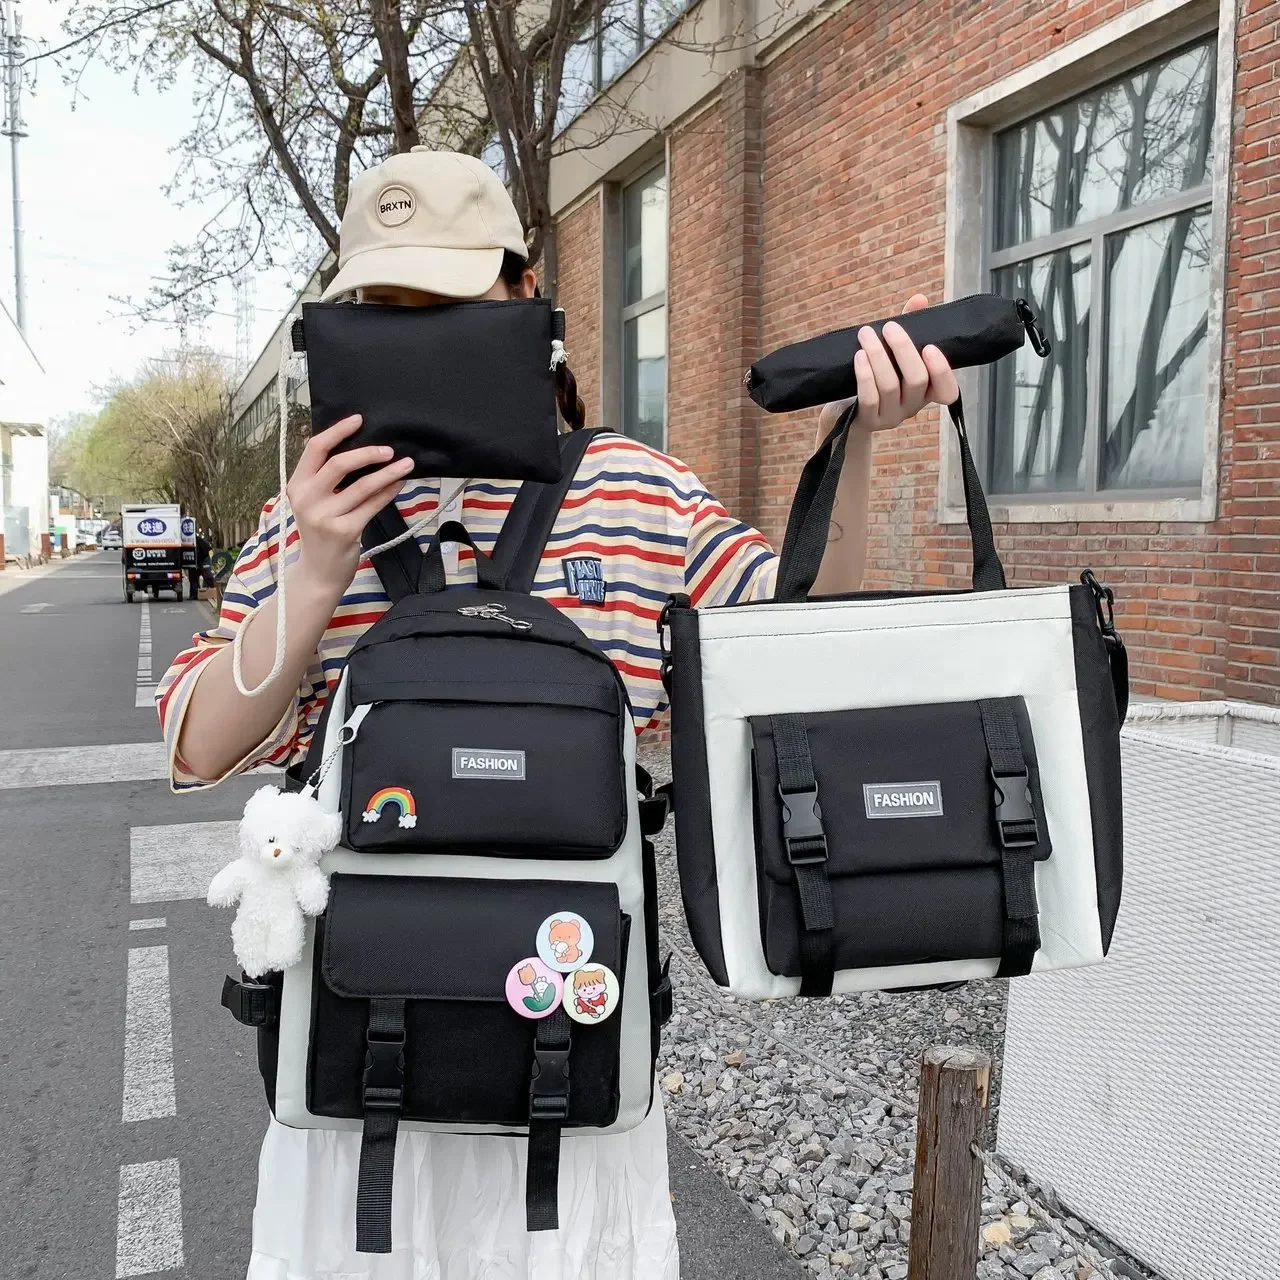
pixel 810 519
pixel 527 528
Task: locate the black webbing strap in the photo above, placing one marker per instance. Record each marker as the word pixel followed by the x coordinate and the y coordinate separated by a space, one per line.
pixel 383 1100
pixel 399 567
pixel 806 846
pixel 548 1110
pixel 532 516
pixel 809 522
pixel 1019 832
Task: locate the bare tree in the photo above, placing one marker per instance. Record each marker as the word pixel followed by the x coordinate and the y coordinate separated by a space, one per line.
pixel 296 96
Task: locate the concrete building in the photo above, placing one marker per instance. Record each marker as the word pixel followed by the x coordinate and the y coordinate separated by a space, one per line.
pixel 739 174
pixel 24 447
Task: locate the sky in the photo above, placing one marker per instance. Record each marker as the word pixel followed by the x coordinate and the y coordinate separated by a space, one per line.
pixel 97 224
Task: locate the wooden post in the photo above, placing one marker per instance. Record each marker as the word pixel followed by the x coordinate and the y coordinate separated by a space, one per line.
pixel 946 1201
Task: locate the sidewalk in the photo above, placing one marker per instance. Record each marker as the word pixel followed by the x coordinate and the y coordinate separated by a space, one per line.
pixel 12 577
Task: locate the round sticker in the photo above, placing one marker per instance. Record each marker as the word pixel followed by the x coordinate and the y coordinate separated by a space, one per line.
pixel 591 993
pixel 565 941
pixel 534 990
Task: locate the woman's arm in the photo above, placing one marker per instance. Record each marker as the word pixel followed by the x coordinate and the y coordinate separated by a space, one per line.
pixel 221 727
pixel 884 401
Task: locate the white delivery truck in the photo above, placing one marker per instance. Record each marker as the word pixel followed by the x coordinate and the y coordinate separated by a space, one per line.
pixel 152 552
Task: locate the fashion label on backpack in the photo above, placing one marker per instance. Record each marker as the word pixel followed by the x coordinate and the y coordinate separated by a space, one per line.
pixel 487 961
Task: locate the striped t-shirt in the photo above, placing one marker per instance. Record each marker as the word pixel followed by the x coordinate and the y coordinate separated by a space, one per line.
pixel 635 527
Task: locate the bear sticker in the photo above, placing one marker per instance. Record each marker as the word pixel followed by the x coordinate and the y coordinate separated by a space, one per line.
pixel 565 941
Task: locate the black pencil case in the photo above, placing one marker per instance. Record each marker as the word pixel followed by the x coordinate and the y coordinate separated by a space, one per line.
pixel 464 389
pixel 969 331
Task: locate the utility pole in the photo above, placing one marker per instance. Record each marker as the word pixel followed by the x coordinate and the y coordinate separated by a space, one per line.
pixel 11 34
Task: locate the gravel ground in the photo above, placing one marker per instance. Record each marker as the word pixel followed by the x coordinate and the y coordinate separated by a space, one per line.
pixel 807 1110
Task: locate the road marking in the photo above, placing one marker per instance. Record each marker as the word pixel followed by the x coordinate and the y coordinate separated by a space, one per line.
pixel 144 646
pixel 176 862
pixel 154 922
pixel 145 697
pixel 35 608
pixel 148 1037
pixel 149 1219
pixel 77 766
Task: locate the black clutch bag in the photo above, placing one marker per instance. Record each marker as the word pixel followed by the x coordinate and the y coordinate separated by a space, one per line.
pixel 969 331
pixel 464 389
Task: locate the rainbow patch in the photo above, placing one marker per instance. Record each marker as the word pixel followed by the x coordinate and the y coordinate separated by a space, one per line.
pixel 399 796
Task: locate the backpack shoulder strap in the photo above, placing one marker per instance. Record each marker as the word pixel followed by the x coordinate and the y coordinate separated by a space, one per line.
pixel 398 568
pixel 529 522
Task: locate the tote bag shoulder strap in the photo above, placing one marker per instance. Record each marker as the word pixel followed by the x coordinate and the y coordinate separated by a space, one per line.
pixel 532 516
pixel 805 542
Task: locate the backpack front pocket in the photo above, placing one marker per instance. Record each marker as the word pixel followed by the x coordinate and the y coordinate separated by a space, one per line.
pixel 897 825
pixel 444 947
pixel 527 772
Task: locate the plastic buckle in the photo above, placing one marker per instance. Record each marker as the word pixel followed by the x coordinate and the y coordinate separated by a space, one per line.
pixel 654 812
pixel 383 1073
pixel 549 1085
pixel 250 1003
pixel 801 823
pixel 1039 343
pixel 677 601
pixel 1014 809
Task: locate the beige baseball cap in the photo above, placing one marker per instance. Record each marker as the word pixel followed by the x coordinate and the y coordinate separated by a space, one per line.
pixel 432 220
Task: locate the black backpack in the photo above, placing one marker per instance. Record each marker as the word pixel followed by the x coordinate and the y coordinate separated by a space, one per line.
pixel 481 751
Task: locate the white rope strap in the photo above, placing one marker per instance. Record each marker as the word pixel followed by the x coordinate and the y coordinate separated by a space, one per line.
pixel 291 363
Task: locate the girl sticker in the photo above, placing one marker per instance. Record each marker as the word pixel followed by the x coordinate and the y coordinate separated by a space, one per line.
pixel 565 941
pixel 533 990
pixel 591 994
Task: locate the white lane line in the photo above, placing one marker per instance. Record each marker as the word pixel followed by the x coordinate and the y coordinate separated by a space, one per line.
pixel 148 1037
pixel 144 645
pixel 145 697
pixel 75 766
pixel 149 1219
pixel 176 862
pixel 35 608
pixel 154 922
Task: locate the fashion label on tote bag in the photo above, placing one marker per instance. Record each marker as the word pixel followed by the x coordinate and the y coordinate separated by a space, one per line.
pixel 895 789
pixel 487 961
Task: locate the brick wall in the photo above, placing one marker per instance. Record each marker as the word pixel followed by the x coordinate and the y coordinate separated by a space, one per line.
pixel 578 292
pixel 812 195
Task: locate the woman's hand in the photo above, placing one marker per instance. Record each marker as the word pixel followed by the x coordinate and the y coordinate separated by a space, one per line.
pixel 330 522
pixel 884 400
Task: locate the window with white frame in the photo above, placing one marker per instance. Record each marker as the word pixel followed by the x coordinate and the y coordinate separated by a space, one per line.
pixel 1101 219
pixel 644 308
pixel 621 32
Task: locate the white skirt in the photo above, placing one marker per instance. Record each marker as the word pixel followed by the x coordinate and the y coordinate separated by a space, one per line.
pixel 458 1210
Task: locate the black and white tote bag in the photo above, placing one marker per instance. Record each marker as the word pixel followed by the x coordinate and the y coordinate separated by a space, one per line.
pixel 895 789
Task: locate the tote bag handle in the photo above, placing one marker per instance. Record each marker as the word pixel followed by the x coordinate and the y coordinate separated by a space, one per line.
pixel 810 519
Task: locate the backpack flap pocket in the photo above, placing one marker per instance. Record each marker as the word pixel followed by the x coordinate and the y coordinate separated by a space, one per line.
pixel 447 948
pixel 513 761
pixel 896 835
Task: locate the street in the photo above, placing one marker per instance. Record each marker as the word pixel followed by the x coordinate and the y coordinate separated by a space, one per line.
pixel 130 1104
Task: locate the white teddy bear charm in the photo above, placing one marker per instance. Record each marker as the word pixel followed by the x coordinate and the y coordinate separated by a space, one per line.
pixel 276 879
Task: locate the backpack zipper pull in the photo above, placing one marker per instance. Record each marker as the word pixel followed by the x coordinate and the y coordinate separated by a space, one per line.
pixel 495 613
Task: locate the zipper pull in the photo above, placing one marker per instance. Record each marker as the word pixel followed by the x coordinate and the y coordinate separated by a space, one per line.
pixel 495 613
